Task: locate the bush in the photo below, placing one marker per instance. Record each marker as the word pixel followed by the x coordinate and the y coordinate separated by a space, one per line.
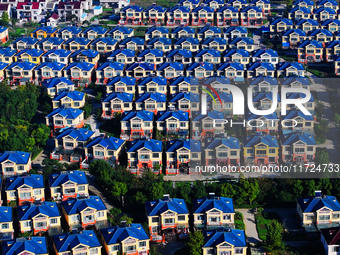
pixel 238 216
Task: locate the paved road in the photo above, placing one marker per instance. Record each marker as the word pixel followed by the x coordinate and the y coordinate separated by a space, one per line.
pixel 249 221
pixel 37 162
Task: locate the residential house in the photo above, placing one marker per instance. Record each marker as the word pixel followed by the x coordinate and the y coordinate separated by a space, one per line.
pixel 310 51
pixel 297 121
pixel 307 24
pixel 50 43
pixel 231 70
pixel 200 70
pixel 153 102
pixel 43 32
pixel 136 125
pixel 279 25
pixel 299 13
pixel 269 56
pixel 191 44
pixel 286 69
pixel 178 15
pixel 29 55
pixel 296 82
pixel 173 122
pixel 238 4
pixel 179 32
pixel 15 162
pixel 53 20
pixel 143 154
pixel 25 189
pixel 227 16
pixel 322 14
pixel 263 84
pixel 108 70
pixel 265 124
pixel 208 56
pixel 73 139
pixel 116 102
pixel 225 105
pixel 292 37
pixel 3 34
pixel 167 215
pixel 331 25
pixel 131 15
pixel 6 223
pixel 2 70
pixel 61 56
pixel 125 238
pixel 80 73
pixel 56 85
pixel 69 32
pixel 298 148
pixel 19 73
pixel 181 56
pixel 330 240
pixel 251 16
pixel 124 56
pixel 181 155
pixel 184 101
pixel 85 56
pixel 69 8
pixel 328 4
pixel 202 15
pixel 7 55
pixel 264 5
pixel 231 33
pixel 155 31
pixel 120 33
pixel 228 240
pixel 77 43
pixel 235 55
pixel 321 35
pixel 132 43
pixel 152 84
pixel 106 148
pixel 242 44
pixel 103 44
pixel 318 209
pixel 264 101
pixel 213 212
pixel 207 125
pixel 85 242
pixel 151 56
pixel 24 43
pixel 309 4
pixel 94 32
pixel 84 212
pixel 160 43
pixel 224 152
pixel 216 43
pixel 48 70
pixel 29 11
pixel 39 218
pixel 260 69
pixel 208 31
pixel 140 70
pixel 121 84
pixel 215 4
pixel 69 99
pixel 218 83
pixel 32 245
pixel 332 49
pixel 65 117
pixel 189 3
pixel 183 84
pixel 337 65
pixel 170 70
pixel 154 15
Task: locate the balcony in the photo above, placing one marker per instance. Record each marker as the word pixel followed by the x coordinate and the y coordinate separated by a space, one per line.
pixel 144 160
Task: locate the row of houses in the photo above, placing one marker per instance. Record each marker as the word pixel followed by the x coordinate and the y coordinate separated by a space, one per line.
pixel 233 13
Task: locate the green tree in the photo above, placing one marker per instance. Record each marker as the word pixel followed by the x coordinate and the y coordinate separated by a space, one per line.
pixel 118 189
pixel 156 191
pixel 195 243
pixel 128 220
pixel 4 19
pixel 198 190
pixel 337 118
pixel 140 198
pixel 321 156
pixel 227 190
pixel 298 188
pixel 309 187
pixel 274 237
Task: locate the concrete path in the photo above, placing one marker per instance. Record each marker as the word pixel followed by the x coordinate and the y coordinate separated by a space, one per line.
pixel 93 187
pixel 37 162
pixel 251 231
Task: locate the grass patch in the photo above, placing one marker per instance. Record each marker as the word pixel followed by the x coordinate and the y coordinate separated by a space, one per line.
pixel 147 3
pixel 140 31
pixel 263 220
pixel 316 72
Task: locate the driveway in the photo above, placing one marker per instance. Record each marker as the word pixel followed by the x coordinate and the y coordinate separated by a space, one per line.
pixel 93 187
pixel 288 217
pixel 249 221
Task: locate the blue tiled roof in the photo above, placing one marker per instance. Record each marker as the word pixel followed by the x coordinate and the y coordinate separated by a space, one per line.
pixel 219 79
pixel 215 115
pixel 7 52
pixel 190 144
pixel 74 30
pixel 180 115
pixel 31 52
pixel 58 179
pixel 78 40
pixel 298 31
pixel 190 80
pixel 99 30
pixel 126 52
pixel 228 30
pixel 53 82
pixel 264 1
pixel 34 244
pixel 158 97
pixel 183 9
pixel 241 1
pixel 230 142
pixel 217 1
pixel 312 204
pixel 53 40
pixel 206 8
pixel 136 8
pixel 311 21
pixel 23 65
pixel 163 30
pixel 68 113
pixel 59 52
pixel 143 115
pixel 322 2
pixel 258 96
pixel 318 31
pixel 6 214
pixel 55 66
pixel 303 9
pixel 299 95
pixel 3 65
pixel 27 40
pixel 255 8
pixel 234 237
pixel 290 80
pixel 330 21
pixel 218 40
pixel 259 52
pixel 79 134
pixel 321 9
pixel 266 65
pixel 215 30
pixel 87 53
pixel 289 139
pixel 191 1
pixel 193 41
pixel 155 52
pixel 66 242
pixel 110 143
pixel 251 116
pixel 231 8
pixel 225 97
pixel 157 207
pixel 205 65
pixel 105 40
pixel 175 65
pixel 253 140
pixel 114 65
pixel 230 53
pixel 144 65
pixel 155 7
pixel 284 20
pixel 130 81
pixel 124 30
pixel 18 157
pixel 116 234
pixel 49 30
pixel 151 144
pixel 189 30
pixel 158 80
pixel 84 66
pixel 236 66
pixel 125 97
pixel 74 95
pixel 294 114
pixel 76 205
pixel 213 52
pixel 223 204
pixel 247 40
pixel 3 29
pixel 257 80
pixel 27 212
pixel 184 53
pixel 308 2
pixel 285 65
pixel 164 40
pixel 187 95
pixel 34 180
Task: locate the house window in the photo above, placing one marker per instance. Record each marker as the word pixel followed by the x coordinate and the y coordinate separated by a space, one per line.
pixel 115 248
pixel 155 219
pixel 336 216
pixel 271 159
pixel 272 151
pixel 81 188
pixel 100 214
pixel 27 224
pixel 5 226
pixel 93 251
pixel 142 244
pixel 155 155
pixel 249 151
pixel 53 221
pixel 181 218
pixel 37 192
pixel 324 217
